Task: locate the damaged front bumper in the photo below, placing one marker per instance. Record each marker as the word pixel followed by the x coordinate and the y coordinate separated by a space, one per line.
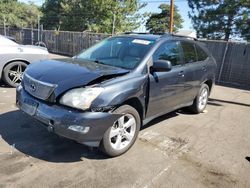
pixel 84 127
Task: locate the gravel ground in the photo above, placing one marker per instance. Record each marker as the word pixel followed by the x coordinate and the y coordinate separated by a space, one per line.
pixel 179 149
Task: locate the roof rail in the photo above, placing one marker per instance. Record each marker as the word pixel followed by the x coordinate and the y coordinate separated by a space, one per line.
pixel 137 33
pixel 175 35
pixel 187 37
pixel 162 35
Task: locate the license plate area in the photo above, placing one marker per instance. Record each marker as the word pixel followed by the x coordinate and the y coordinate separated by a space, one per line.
pixel 29 106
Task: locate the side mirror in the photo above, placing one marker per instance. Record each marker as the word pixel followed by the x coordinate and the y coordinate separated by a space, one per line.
pixel 162 66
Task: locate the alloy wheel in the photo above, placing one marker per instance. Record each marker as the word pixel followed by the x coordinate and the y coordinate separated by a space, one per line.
pixel 203 98
pixel 122 132
pixel 16 73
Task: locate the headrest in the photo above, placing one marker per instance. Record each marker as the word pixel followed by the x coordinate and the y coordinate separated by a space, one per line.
pixel 134 51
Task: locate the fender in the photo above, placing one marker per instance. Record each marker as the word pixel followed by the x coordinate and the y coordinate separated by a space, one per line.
pixel 122 90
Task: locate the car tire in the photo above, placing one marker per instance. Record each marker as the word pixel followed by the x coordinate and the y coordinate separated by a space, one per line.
pixel 122 135
pixel 200 101
pixel 13 72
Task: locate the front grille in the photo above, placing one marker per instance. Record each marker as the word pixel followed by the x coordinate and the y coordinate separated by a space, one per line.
pixel 38 89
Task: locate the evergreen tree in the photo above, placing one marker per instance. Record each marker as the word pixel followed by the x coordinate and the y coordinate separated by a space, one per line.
pixel 159 22
pixel 94 15
pixel 220 19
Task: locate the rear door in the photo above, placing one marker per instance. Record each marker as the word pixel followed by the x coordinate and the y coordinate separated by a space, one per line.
pixel 166 88
pixel 195 68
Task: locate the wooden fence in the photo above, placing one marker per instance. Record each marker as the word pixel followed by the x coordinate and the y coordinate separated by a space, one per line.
pixel 233 59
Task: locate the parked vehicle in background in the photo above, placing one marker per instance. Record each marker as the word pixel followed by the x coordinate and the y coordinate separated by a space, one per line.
pixel 14 59
pixel 103 96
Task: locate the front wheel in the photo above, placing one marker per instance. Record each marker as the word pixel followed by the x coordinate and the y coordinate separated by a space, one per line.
pixel 13 73
pixel 200 102
pixel 122 135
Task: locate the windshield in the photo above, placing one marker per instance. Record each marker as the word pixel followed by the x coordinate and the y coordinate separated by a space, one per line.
pixel 124 52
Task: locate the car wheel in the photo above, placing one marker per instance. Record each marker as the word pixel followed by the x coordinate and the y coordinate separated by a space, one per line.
pixel 13 73
pixel 122 135
pixel 200 102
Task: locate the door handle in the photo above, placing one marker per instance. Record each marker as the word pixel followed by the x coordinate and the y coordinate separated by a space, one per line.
pixel 204 68
pixel 20 49
pixel 181 74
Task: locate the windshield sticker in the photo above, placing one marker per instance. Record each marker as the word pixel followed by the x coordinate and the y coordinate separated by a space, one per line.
pixel 139 41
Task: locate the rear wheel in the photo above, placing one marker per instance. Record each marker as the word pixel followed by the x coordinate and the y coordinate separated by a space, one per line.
pixel 13 73
pixel 122 135
pixel 200 102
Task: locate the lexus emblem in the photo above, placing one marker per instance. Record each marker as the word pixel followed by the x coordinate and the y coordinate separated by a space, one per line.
pixel 32 87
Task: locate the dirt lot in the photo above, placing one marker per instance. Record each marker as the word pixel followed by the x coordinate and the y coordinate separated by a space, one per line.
pixel 176 150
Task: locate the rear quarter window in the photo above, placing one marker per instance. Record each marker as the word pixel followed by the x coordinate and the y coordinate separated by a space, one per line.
pixel 189 52
pixel 201 54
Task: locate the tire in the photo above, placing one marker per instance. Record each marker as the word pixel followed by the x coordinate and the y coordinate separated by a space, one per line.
pixel 200 101
pixel 117 139
pixel 13 72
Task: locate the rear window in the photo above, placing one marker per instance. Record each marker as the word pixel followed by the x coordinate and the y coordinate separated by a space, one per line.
pixel 201 55
pixel 189 52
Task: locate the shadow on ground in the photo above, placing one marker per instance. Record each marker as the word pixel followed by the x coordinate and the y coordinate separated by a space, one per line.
pixel 213 103
pixel 32 138
pixel 217 102
pixel 248 159
pixel 159 119
pixel 245 86
pixel 3 85
pixel 184 111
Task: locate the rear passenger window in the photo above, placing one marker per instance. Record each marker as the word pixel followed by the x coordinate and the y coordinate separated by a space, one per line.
pixel 201 55
pixel 168 51
pixel 189 52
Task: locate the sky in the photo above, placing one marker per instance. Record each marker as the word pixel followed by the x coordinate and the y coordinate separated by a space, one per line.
pixel 152 6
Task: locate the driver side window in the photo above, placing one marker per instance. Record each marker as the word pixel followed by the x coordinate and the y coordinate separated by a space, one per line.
pixel 168 51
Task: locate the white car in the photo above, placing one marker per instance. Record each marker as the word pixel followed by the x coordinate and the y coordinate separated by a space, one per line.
pixel 14 58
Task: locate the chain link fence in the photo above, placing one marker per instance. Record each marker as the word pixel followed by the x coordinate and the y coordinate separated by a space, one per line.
pixel 233 62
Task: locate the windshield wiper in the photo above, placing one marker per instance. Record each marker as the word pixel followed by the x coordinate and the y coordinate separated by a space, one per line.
pixel 100 62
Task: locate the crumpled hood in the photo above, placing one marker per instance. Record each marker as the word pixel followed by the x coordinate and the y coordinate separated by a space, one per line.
pixel 70 73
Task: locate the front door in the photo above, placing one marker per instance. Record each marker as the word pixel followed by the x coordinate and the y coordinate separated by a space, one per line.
pixel 165 89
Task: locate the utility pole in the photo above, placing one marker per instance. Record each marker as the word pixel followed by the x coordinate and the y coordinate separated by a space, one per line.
pixel 41 35
pixel 32 34
pixel 113 27
pixel 4 25
pixel 38 29
pixel 171 23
